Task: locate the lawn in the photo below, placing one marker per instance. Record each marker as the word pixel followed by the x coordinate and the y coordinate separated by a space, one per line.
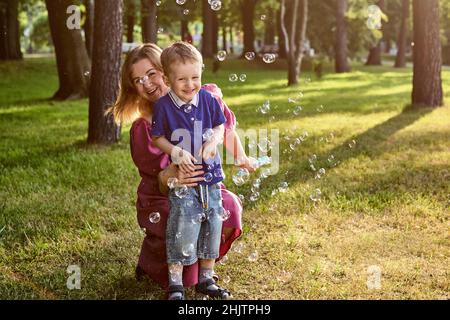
pixel 384 198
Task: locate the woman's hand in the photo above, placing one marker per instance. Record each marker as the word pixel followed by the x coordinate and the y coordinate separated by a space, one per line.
pixel 190 179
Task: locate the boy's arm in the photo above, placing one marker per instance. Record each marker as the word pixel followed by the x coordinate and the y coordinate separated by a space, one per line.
pixel 209 148
pixel 179 156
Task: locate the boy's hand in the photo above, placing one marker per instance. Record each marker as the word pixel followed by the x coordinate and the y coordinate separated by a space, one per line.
pixel 208 150
pixel 184 159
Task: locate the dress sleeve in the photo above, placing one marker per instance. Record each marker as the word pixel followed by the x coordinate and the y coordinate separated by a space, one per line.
pixel 230 118
pixel 149 159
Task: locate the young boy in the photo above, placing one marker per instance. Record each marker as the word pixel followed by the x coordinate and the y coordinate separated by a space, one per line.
pixel 188 125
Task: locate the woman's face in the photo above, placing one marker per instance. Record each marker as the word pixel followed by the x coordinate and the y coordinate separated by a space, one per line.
pixel 148 81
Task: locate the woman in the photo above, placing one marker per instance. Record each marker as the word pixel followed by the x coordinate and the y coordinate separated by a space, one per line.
pixel 141 86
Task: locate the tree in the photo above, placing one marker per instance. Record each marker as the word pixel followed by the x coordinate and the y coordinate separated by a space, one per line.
pixel 105 71
pixel 400 60
pixel 72 59
pixel 270 27
pixel 427 84
pixel 207 36
pixel 130 13
pixel 148 21
pixel 374 57
pixel 341 63
pixel 9 30
pixel 89 26
pixel 294 34
pixel 248 13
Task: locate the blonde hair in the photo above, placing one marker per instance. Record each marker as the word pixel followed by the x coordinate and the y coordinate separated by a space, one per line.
pixel 129 106
pixel 179 52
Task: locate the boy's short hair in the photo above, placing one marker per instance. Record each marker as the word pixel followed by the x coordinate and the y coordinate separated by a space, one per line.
pixel 179 52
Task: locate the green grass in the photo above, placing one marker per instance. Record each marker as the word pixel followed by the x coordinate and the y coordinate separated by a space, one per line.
pixel 386 203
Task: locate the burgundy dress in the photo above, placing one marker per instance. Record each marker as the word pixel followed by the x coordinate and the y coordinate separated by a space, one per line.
pixel 150 161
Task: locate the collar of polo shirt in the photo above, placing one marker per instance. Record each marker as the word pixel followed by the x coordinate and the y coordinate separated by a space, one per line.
pixel 179 103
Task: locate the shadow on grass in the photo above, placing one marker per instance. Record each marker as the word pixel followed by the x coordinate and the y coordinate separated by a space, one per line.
pixel 367 143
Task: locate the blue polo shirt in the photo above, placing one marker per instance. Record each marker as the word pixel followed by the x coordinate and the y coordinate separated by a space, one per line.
pixel 184 125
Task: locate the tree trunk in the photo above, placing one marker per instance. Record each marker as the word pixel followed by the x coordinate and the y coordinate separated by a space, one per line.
pixel 427 83
pixel 248 13
pixel 294 34
pixel 184 29
pixel 9 30
pixel 281 39
pixel 231 40
pixel 224 38
pixel 400 60
pixel 207 36
pixel 131 19
pixel 105 71
pixel 215 32
pixel 89 26
pixel 72 60
pixel 374 57
pixel 341 63
pixel 148 21
pixel 270 23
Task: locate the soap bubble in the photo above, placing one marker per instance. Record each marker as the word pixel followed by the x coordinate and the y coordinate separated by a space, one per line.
pixel 208 134
pixel 283 187
pixel 216 5
pixel 181 2
pixel 297 110
pixel 265 107
pixel 218 173
pixel 221 55
pixel 233 77
pixel 254 196
pixel 188 108
pixel 172 182
pixel 188 249
pixel 186 12
pixel 208 177
pixel 250 55
pixel 225 214
pixel 312 158
pixel 269 57
pixel 243 77
pixel 199 218
pixel 181 191
pixel 154 217
pixel 316 195
pixel 253 256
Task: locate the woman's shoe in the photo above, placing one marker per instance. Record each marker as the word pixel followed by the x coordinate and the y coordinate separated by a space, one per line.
pixel 219 293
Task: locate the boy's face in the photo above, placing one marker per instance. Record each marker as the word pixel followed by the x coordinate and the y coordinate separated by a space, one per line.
pixel 185 79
